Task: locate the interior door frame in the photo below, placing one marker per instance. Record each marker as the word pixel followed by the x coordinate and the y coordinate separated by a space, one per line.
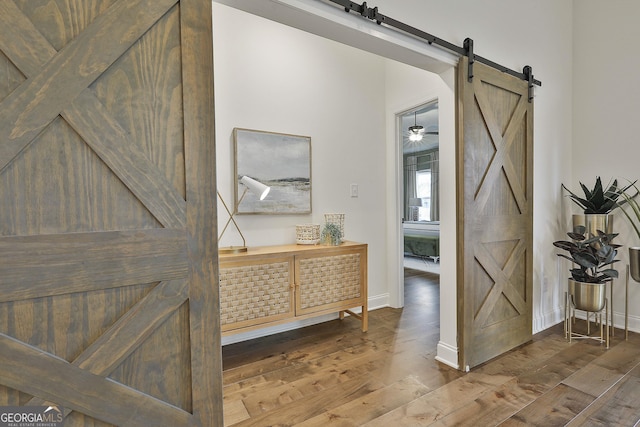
pixel 333 23
pixel 399 168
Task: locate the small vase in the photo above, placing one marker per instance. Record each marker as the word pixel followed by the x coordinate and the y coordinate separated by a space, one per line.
pixel 337 219
pixel 330 241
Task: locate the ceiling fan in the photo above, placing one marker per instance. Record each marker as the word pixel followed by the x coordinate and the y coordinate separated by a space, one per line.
pixel 416 132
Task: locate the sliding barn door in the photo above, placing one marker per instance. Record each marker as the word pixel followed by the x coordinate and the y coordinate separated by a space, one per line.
pixel 495 202
pixel 108 260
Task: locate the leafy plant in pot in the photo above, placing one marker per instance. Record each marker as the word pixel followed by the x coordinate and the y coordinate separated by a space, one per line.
pixel 594 256
pixel 331 234
pixel 597 200
pixel 597 205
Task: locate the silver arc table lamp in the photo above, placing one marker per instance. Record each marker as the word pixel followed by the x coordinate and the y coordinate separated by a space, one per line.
pixel 257 188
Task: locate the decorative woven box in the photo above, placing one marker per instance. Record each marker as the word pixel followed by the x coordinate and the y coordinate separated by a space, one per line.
pixel 307 234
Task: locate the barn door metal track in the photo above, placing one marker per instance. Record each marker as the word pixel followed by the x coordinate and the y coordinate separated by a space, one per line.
pixel 466 49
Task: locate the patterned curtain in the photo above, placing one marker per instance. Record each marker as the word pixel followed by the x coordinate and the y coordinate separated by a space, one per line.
pixel 410 168
pixel 435 185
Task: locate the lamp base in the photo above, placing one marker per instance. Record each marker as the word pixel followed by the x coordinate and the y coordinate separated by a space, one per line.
pixel 232 250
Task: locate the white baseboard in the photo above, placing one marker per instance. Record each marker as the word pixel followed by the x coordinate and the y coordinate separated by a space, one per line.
pixel 378 301
pixel 548 320
pixel 634 322
pixel 618 320
pixel 447 354
pixel 258 333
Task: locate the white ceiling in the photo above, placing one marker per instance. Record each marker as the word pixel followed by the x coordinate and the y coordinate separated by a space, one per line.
pixel 333 23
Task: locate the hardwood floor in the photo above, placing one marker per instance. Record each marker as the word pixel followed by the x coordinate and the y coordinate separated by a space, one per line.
pixel 333 374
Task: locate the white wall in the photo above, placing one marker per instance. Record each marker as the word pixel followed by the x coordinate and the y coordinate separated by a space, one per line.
pixel 515 34
pixel 275 78
pixel 606 103
pixel 510 32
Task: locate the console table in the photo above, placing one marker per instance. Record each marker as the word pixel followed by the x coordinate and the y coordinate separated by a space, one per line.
pixel 270 285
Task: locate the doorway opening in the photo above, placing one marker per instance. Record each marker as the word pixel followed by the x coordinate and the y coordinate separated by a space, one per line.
pixel 418 138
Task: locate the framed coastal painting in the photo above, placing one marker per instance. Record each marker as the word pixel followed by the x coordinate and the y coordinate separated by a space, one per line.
pixel 280 161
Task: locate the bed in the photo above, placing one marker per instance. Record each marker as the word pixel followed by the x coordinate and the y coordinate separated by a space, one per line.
pixel 421 242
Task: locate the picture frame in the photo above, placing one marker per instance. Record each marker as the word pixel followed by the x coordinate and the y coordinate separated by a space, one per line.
pixel 278 160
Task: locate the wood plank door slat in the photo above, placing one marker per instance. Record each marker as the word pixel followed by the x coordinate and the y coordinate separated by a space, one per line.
pixel 57 380
pixel 21 41
pixel 39 266
pixel 197 71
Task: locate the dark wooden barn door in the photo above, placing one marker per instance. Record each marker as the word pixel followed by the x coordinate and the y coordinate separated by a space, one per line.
pixel 495 221
pixel 108 259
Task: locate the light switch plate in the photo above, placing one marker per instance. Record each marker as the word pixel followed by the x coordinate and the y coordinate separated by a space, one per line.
pixel 354 190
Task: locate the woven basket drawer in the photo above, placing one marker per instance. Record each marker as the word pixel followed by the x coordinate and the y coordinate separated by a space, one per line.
pixel 329 279
pixel 252 293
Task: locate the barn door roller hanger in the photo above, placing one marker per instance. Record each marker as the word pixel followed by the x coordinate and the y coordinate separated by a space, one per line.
pixel 466 49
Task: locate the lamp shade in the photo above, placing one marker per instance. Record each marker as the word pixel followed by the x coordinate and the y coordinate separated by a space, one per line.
pixel 415 137
pixel 415 201
pixel 415 131
pixel 256 187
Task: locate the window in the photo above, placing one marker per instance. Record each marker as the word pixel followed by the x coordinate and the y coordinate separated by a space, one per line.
pixel 423 191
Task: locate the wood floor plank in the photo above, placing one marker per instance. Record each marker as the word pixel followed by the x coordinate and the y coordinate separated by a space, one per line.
pixel 550 372
pixel 242 389
pixel 242 353
pixel 296 352
pixel 441 402
pixel 317 378
pixel 492 407
pixel 377 403
pixel 600 375
pixel 554 408
pixel 303 409
pixel 268 379
pixel 408 358
pixel 619 406
pixel 234 412
pixel 363 361
pixel 527 357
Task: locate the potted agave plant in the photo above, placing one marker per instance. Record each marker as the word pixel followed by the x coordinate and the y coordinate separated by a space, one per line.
pixel 597 205
pixel 594 256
